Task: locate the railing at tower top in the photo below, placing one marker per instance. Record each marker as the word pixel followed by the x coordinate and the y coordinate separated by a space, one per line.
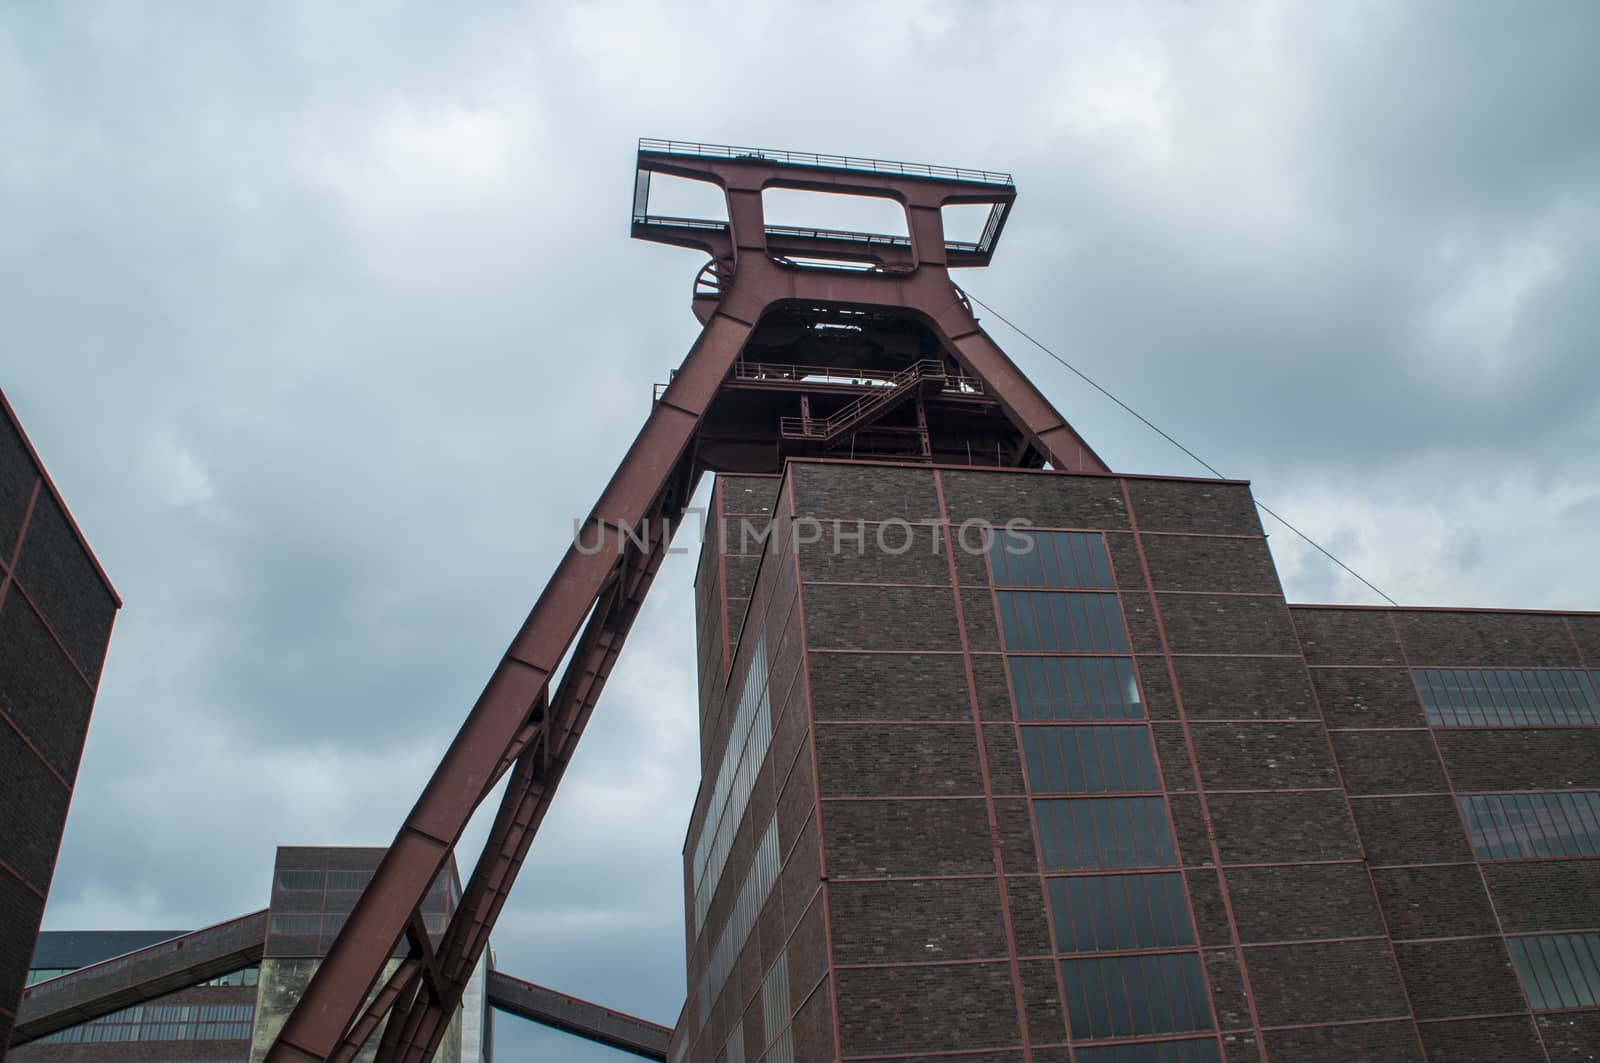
pixel 835 376
pixel 831 162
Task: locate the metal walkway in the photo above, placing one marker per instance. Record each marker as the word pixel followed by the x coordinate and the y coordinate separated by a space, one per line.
pixel 191 959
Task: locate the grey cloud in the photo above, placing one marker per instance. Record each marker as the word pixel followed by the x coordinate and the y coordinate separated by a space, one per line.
pixel 326 321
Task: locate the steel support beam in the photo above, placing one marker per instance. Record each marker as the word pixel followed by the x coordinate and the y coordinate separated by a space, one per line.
pixel 102 988
pixel 578 1017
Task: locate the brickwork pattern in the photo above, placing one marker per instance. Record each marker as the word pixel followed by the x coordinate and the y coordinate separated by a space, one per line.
pixel 1338 905
pixel 56 612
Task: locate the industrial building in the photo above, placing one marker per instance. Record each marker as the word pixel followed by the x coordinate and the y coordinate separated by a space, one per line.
pixel 1006 756
pixel 1095 791
pixel 56 611
pixel 220 994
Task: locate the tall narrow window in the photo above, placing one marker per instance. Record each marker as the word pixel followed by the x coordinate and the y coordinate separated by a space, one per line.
pixel 1089 833
pixel 1088 760
pixel 1502 697
pixel 1075 688
pixel 1050 621
pixel 1558 971
pixel 1115 913
pixel 1124 996
pixel 1049 559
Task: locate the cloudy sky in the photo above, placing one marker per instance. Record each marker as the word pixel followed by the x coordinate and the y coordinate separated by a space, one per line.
pixel 326 321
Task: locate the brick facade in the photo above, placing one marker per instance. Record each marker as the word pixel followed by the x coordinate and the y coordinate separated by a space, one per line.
pixel 56 611
pixel 1333 901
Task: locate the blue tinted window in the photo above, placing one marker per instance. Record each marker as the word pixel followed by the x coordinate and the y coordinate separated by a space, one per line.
pixel 1088 833
pixel 1075 688
pixel 1124 996
pixel 1528 826
pixel 1501 697
pixel 1053 620
pixel 1558 971
pixel 1116 913
pixel 1049 559
pixel 1088 760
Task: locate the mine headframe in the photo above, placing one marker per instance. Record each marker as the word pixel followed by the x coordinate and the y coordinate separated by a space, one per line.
pixel 815 342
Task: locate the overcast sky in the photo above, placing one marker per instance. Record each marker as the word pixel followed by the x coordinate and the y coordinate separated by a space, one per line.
pixel 326 321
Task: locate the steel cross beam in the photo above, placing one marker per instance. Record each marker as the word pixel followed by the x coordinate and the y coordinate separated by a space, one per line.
pixel 517 724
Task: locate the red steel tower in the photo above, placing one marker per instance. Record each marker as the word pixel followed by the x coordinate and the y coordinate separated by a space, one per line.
pixel 783 309
pixel 1007 758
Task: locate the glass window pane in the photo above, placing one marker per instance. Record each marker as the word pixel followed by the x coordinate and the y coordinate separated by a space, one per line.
pixel 1061 621
pixel 1139 994
pixel 1500 697
pixel 1531 826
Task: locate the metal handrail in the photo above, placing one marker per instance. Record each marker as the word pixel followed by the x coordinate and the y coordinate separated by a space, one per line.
pixel 831 162
pixel 838 234
pixel 779 372
pixel 826 427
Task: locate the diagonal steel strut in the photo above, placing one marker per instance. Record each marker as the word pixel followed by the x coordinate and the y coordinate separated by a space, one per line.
pixel 651 480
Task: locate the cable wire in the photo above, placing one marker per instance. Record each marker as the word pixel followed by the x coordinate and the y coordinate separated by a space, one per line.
pixel 1081 375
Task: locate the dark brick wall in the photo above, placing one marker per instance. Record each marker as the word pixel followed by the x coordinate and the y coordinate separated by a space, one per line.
pixel 1447 978
pixel 958 1006
pixel 1347 897
pixel 1325 982
pixel 56 611
pixel 1298 903
pixel 1546 895
pixel 1497 1040
pixel 1434 902
pixel 1389 762
pixel 917 921
pixel 1553 759
pixel 1486 640
pixel 1365 697
pixel 1377 1042
pixel 1245 688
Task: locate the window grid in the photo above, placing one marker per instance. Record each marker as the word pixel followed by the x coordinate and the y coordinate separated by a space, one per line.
pixel 1061 620
pixel 1558 971
pixel 1049 559
pixel 1077 689
pixel 162 1022
pixel 1117 913
pixel 1084 833
pixel 1126 996
pixel 1089 760
pixel 741 761
pixel 758 883
pixel 1532 826
pixel 1507 697
pixel 775 997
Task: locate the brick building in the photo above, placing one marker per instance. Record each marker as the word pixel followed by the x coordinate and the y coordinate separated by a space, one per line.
pixel 1096 792
pixel 220 994
pixel 208 1022
pixel 56 610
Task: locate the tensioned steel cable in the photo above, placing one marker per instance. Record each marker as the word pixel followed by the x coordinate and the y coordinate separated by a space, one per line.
pixel 1158 431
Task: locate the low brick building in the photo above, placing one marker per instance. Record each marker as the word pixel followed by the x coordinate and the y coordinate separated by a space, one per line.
pixel 1094 791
